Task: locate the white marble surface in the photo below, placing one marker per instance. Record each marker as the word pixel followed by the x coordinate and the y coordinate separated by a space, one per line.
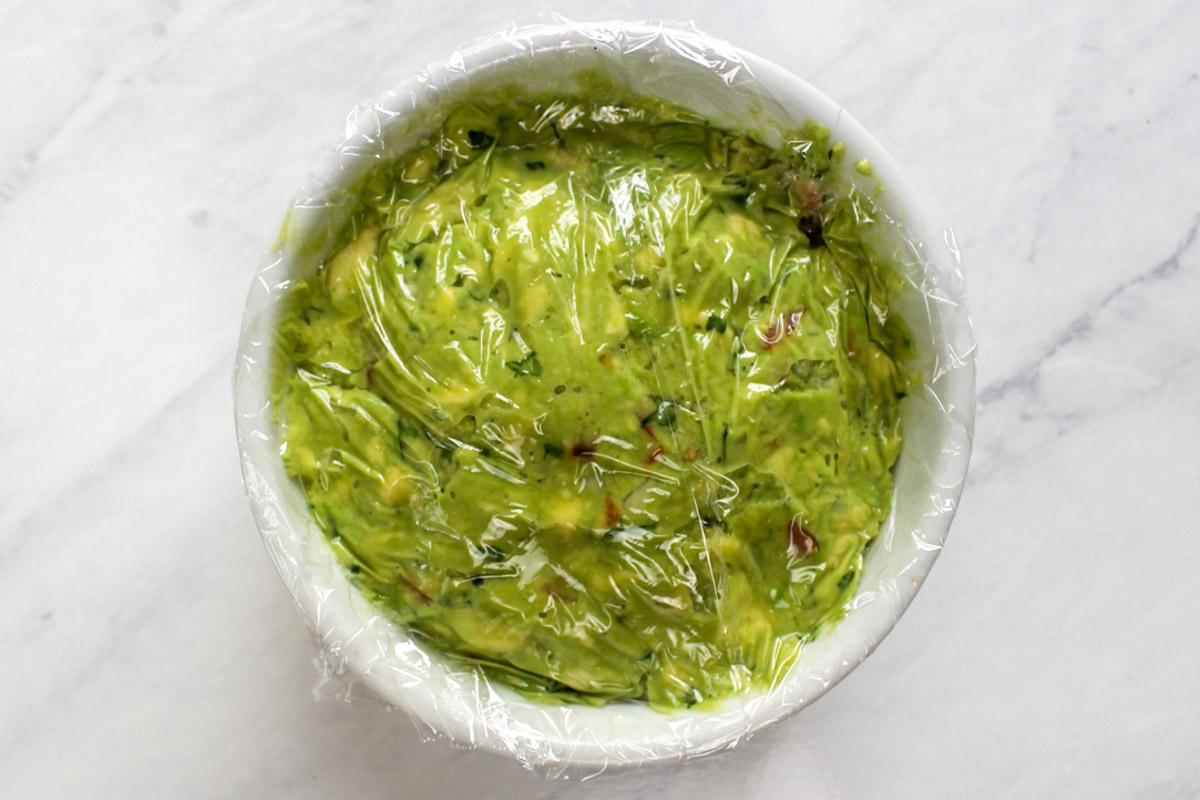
pixel 147 150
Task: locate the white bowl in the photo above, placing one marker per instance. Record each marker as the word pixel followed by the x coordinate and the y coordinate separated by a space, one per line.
pixel 732 88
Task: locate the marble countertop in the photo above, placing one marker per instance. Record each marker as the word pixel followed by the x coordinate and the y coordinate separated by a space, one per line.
pixel 147 150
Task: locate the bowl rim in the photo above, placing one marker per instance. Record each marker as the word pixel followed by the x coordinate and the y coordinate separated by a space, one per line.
pixel 337 617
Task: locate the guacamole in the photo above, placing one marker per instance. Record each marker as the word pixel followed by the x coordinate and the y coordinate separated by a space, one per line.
pixel 600 398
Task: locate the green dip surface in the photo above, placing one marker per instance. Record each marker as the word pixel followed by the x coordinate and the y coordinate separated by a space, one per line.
pixel 600 398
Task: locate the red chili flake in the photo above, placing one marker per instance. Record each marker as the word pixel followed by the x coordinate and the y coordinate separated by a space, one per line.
pixel 606 360
pixel 808 196
pixel 556 589
pixel 785 326
pixel 426 599
pixel 612 514
pixel 809 200
pixel 691 452
pixel 800 539
pixel 655 454
pixel 583 450
pixel 646 429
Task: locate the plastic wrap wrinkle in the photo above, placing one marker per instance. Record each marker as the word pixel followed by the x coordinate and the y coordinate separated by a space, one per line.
pixel 363 648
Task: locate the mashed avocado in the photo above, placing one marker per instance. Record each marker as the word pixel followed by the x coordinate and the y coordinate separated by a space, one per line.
pixel 599 397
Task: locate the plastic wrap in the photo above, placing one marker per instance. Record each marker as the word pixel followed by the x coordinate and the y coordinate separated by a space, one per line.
pixel 391 632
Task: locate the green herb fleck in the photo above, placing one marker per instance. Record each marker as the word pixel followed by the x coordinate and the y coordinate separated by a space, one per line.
pixel 529 365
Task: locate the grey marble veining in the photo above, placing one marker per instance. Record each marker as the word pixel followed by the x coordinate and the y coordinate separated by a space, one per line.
pixel 147 151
